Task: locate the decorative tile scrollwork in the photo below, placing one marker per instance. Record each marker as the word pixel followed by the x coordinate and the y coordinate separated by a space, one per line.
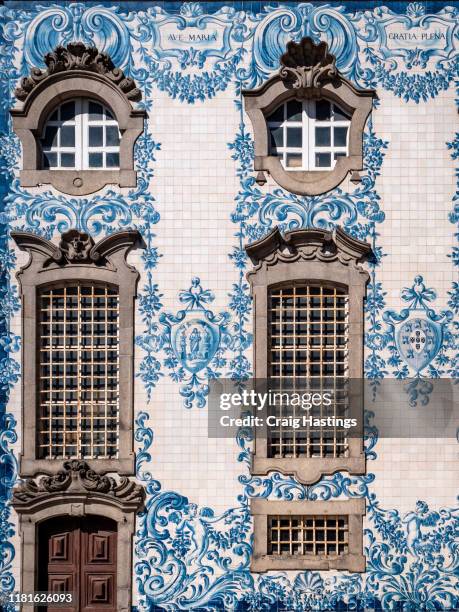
pixel 183 552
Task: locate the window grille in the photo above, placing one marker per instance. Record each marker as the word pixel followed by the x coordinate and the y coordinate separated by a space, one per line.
pixel 309 135
pixel 309 351
pixel 78 371
pixel 308 535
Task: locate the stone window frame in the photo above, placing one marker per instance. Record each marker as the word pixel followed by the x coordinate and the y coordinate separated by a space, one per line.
pixel 308 71
pixel 72 72
pixel 78 491
pixel 77 258
pixel 262 509
pixel 318 256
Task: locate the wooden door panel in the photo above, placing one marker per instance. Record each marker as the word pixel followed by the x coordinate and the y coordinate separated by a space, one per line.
pixel 100 548
pixel 79 556
pixel 59 544
pixel 98 568
pixel 59 548
pixel 60 583
pixel 99 589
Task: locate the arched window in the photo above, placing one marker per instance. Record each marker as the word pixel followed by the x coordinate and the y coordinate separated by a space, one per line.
pixel 82 134
pixel 308 121
pixel 77 123
pixel 309 134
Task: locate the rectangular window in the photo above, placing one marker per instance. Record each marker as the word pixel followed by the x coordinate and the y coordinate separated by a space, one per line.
pixel 308 535
pixel 295 535
pixel 78 371
pixel 309 334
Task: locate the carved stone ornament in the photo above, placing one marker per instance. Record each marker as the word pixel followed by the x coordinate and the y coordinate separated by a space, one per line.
pixel 305 244
pixel 306 64
pixel 77 56
pixel 78 478
pixel 76 246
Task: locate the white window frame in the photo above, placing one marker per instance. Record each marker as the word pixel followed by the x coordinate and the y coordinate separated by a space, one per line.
pixel 82 123
pixel 308 123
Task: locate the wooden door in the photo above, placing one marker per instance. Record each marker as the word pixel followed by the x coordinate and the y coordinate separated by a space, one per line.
pixel 79 556
pixel 98 566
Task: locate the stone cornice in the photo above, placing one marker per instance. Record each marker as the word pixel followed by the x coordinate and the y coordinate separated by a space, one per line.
pixel 308 244
pixel 76 56
pixel 76 247
pixel 77 479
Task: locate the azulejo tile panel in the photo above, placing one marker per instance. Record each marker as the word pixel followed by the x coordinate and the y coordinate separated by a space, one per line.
pixel 190 556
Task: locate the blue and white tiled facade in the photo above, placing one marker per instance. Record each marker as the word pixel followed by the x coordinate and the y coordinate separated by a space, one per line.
pixel 197 205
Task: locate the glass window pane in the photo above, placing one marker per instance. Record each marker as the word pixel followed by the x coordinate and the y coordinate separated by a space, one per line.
pixel 278 114
pixel 53 116
pixel 108 114
pixel 113 160
pixel 50 160
pixel 68 111
pixel 323 137
pixel 340 136
pixel 67 136
pixel 294 110
pixel 277 137
pixel 95 111
pixel 112 136
pixel 50 139
pixel 339 114
pixel 96 136
pixel 294 137
pixel 323 160
pixel 294 160
pixel 95 160
pixel 67 160
pixel 322 110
